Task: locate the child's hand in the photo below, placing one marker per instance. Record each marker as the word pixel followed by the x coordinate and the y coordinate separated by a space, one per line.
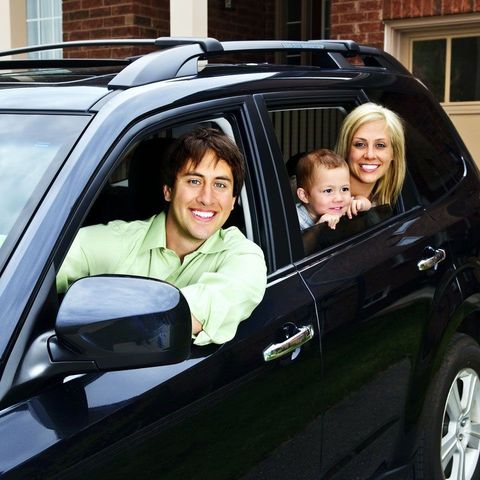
pixel 330 219
pixel 358 204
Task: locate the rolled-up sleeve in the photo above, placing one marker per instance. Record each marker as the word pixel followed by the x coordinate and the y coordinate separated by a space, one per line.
pixel 221 299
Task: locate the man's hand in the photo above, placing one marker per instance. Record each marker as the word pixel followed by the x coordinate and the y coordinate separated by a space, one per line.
pixel 358 204
pixel 330 219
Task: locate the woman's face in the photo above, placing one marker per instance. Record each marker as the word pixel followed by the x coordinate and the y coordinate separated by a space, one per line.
pixel 370 153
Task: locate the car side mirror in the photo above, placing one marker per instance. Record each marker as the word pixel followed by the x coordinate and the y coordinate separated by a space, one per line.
pixel 122 322
pixel 108 322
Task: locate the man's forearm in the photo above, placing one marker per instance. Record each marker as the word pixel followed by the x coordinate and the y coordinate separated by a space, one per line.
pixel 196 325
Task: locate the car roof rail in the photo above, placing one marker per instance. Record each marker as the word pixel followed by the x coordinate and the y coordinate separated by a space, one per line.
pixel 115 42
pixel 37 63
pixel 181 56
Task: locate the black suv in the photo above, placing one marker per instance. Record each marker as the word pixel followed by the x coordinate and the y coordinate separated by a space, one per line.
pixel 362 361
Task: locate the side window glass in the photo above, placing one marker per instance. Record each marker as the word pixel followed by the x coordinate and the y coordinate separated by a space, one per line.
pixel 433 160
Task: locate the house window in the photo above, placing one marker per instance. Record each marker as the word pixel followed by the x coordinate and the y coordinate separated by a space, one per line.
pixel 449 66
pixel 44 25
pixel 302 20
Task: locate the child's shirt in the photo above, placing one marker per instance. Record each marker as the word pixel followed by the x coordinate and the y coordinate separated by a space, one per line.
pixel 304 217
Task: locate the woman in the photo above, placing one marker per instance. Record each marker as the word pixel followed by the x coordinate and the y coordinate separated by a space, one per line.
pixel 372 140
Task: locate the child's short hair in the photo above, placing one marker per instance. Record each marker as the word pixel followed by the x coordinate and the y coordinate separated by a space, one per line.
pixel 322 157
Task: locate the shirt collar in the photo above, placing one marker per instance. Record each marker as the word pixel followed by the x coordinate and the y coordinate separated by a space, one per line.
pixel 156 238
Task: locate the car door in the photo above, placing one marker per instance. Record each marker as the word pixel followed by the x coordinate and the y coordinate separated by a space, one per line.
pixel 225 412
pixel 372 299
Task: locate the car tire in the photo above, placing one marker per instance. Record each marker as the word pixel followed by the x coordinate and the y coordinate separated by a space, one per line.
pixel 449 445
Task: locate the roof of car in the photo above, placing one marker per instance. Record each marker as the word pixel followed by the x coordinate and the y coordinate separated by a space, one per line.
pixel 77 84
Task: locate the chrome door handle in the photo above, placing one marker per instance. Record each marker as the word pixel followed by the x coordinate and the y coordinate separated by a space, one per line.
pixel 437 257
pixel 277 350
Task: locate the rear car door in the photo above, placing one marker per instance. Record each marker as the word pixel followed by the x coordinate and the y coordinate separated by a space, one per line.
pixel 372 299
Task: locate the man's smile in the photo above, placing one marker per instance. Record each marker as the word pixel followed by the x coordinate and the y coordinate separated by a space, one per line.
pixel 202 214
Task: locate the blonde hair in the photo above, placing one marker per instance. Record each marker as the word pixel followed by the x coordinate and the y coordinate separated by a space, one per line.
pixel 316 158
pixel 387 188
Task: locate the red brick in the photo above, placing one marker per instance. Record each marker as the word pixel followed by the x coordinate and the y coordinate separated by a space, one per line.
pixel 345 30
pixel 415 9
pixel 92 23
pixel 114 21
pixel 143 21
pixel 396 10
pixel 376 39
pixel 351 17
pixel 367 5
pixel 77 15
pixel 368 27
pixel 374 16
pixel 387 9
pixel 70 5
pixel 123 9
pixel 79 35
pixel 100 12
pixel 338 7
pixel 87 4
pixel 116 2
pixel 104 33
pixel 124 32
pixel 427 8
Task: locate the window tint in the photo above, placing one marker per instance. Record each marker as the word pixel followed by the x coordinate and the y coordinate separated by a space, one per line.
pixel 433 160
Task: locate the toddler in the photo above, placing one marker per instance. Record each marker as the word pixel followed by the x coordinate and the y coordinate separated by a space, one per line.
pixel 323 188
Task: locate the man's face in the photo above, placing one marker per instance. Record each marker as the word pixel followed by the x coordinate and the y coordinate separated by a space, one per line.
pixel 200 203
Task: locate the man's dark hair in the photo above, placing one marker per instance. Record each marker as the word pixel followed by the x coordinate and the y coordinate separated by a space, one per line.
pixel 193 145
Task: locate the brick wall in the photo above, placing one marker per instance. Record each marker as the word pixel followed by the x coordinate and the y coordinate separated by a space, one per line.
pixel 97 19
pixel 362 20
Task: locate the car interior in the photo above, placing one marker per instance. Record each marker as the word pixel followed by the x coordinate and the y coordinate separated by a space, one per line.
pixel 134 190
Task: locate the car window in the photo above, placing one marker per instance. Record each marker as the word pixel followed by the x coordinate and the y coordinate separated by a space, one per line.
pixel 302 129
pixel 32 149
pixel 433 160
pixel 134 190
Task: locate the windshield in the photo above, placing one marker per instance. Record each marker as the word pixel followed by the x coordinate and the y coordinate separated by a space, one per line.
pixel 32 147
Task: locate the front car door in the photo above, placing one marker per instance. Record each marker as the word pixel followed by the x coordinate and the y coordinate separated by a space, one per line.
pixel 217 414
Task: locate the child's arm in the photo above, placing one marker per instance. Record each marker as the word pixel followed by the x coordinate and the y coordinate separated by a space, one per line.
pixel 358 204
pixel 330 219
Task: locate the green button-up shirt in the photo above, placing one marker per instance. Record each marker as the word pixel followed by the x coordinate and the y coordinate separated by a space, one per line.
pixel 223 280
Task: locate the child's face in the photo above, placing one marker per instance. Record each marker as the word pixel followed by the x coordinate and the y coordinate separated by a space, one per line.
pixel 329 191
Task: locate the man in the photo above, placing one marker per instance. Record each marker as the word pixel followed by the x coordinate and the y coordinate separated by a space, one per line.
pixel 220 272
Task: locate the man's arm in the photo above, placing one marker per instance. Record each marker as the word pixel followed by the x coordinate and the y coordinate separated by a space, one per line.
pixel 220 300
pixel 96 249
